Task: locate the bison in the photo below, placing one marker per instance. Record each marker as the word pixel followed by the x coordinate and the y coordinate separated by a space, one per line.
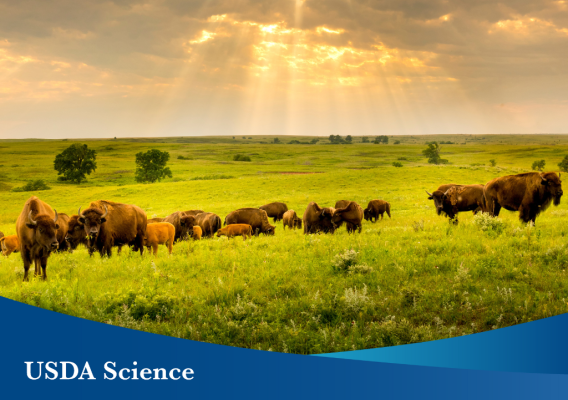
pixel 107 224
pixel 351 214
pixel 37 231
pixel 155 220
pixel 197 232
pixel 193 212
pixel 376 208
pixel 530 194
pixel 317 219
pixel 208 222
pixel 9 244
pixel 274 210
pixel 243 230
pixel 182 231
pixel 254 217
pixel 1 235
pixel 63 223
pixel 451 199
pixel 159 233
pixel 291 220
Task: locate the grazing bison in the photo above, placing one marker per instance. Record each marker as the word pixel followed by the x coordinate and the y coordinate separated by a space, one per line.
pixel 351 214
pixel 159 233
pixel 451 199
pixel 317 219
pixel 529 194
pixel 9 244
pixel 63 223
pixel 291 220
pixel 274 210
pixel 107 224
pixel 193 212
pixel 376 208
pixel 208 222
pixel 155 220
pixel 243 230
pixel 197 232
pixel 37 231
pixel 182 231
pixel 254 217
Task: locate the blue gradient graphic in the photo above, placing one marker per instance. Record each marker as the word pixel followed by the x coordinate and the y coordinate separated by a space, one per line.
pixel 31 334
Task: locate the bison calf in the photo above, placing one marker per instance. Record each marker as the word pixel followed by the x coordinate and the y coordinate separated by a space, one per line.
pixel 197 232
pixel 9 244
pixel 243 230
pixel 159 233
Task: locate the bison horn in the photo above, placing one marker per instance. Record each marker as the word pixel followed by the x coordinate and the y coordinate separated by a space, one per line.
pixel 429 194
pixel 106 211
pixel 79 213
pixel 30 219
pixel 56 216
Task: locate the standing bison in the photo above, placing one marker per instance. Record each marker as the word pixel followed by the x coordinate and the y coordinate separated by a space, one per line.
pixel 275 210
pixel 208 222
pixel 63 222
pixel 317 219
pixel 107 224
pixel 529 194
pixel 450 199
pixel 256 218
pixel 291 220
pixel 182 231
pixel 37 231
pixel 376 208
pixel 351 214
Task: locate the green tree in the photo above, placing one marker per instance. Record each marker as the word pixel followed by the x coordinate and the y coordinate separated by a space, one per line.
pixel 397 142
pixel 432 152
pixel 151 166
pixel 276 140
pixel 314 141
pixel 538 165
pixel 75 162
pixel 493 162
pixel 348 139
pixel 364 139
pixel 563 165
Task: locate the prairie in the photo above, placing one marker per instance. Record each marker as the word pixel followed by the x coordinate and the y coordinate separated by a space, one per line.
pixel 403 280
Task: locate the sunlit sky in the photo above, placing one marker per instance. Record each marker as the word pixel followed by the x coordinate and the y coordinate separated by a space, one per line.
pixel 78 68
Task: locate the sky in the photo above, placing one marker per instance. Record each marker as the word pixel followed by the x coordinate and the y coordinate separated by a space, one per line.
pixel 91 68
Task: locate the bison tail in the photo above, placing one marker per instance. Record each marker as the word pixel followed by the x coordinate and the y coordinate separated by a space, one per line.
pixel 388 209
pixel 218 223
pixel 224 222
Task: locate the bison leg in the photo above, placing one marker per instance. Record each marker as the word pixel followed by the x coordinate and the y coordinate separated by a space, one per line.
pixel 170 246
pixel 27 262
pixel 37 267
pixel 44 267
pixel 155 249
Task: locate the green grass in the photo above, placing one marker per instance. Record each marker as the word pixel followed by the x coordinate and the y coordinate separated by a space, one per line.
pixel 416 278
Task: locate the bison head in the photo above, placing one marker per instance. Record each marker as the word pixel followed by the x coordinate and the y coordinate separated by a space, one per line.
pixel 298 223
pixel 45 230
pixel 553 186
pixel 268 229
pixel 187 222
pixel 367 213
pixel 439 198
pixel 75 233
pixel 92 219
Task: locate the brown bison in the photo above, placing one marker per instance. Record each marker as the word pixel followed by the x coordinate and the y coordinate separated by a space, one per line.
pixel 1 235
pixel 254 217
pixel 37 231
pixel 376 208
pixel 107 224
pixel 529 194
pixel 451 199
pixel 274 210
pixel 197 232
pixel 351 214
pixel 243 230
pixel 76 234
pixel 317 219
pixel 342 203
pixel 155 220
pixel 182 231
pixel 159 233
pixel 193 212
pixel 291 220
pixel 63 223
pixel 208 222
pixel 9 244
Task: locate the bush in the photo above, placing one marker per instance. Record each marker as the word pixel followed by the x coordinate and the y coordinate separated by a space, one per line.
pixel 487 223
pixel 397 142
pixel 343 261
pixel 241 157
pixel 396 164
pixel 538 165
pixel 184 158
pixel 563 165
pixel 493 162
pixel 32 186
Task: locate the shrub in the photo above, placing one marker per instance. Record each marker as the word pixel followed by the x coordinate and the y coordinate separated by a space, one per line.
pixel 487 223
pixel 32 186
pixel 343 261
pixel 538 165
pixel 356 299
pixel 563 165
pixel 493 162
pixel 241 157
pixel 397 142
pixel 396 164
pixel 184 158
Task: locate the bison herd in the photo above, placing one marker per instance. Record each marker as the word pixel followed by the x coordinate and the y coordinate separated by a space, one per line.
pixel 106 224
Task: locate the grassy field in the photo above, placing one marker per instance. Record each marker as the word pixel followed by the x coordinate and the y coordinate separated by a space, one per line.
pixel 407 279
